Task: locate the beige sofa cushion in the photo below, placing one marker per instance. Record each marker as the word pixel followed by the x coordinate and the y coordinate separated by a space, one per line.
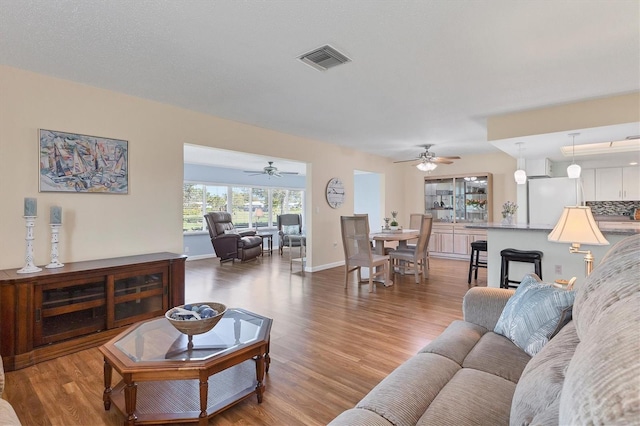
pixel 603 380
pixel 404 395
pixel 456 341
pixel 537 396
pixel 360 416
pixel 497 355
pixel 472 397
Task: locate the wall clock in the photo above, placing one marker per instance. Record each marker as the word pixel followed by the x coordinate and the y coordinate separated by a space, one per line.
pixel 335 193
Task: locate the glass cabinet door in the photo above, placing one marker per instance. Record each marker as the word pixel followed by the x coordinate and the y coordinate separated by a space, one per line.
pixel 140 295
pixel 63 312
pixel 475 199
pixel 459 199
pixel 439 199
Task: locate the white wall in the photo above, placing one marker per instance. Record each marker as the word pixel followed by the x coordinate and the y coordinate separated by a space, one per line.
pixel 366 198
pixel 149 218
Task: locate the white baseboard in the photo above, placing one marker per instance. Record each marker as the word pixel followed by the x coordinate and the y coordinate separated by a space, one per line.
pixel 200 257
pixel 325 266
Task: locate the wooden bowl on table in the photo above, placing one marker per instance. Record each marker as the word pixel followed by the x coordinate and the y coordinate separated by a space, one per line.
pixel 200 324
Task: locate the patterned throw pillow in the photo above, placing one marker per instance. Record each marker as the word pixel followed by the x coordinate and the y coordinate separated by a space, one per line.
pixel 534 314
pixel 291 230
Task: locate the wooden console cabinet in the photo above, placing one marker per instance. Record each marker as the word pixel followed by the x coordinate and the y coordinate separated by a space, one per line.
pixel 59 311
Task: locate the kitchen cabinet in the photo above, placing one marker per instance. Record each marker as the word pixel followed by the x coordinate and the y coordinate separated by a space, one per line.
pixel 617 183
pixel 459 198
pixel 59 311
pixel 454 201
pixel 453 241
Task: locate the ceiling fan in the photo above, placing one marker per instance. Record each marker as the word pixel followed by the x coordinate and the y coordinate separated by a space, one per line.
pixel 269 170
pixel 428 161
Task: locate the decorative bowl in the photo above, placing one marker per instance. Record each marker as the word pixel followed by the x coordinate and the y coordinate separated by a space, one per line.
pixel 197 326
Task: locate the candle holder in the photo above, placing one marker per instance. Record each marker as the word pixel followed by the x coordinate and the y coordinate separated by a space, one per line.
pixel 29 267
pixel 55 263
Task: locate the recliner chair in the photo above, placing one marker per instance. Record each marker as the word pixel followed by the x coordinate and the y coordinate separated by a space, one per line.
pixel 228 242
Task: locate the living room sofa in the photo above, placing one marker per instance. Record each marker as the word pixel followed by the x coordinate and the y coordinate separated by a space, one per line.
pixel 588 373
pixel 8 415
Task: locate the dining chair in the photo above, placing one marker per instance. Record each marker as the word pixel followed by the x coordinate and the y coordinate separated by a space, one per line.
pixel 414 257
pixel 358 252
pixel 415 221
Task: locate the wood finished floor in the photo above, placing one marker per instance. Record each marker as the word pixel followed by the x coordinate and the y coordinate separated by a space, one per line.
pixel 329 346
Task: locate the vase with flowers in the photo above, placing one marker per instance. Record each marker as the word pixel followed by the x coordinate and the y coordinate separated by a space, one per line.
pixel 394 220
pixel 508 210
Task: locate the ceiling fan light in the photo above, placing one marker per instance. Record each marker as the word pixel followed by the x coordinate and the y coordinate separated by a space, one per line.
pixel 520 176
pixel 426 166
pixel 573 171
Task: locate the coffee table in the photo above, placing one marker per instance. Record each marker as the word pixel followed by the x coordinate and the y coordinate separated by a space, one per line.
pixel 166 381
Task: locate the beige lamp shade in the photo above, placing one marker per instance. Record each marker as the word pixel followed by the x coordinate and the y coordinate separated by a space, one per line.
pixel 577 225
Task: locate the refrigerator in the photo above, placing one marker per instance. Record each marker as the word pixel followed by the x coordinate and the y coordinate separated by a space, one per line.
pixel 546 197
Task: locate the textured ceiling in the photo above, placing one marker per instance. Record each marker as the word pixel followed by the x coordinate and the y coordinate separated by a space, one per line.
pixel 421 71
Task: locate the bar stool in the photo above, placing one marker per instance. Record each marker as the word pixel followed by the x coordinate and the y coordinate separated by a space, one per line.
pixel 513 255
pixel 474 262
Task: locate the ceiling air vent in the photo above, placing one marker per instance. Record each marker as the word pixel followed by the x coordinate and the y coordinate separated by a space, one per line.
pixel 323 58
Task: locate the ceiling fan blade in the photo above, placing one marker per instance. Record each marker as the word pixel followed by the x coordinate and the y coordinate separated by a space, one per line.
pixel 406 161
pixel 288 173
pixel 254 171
pixel 440 161
pixel 449 158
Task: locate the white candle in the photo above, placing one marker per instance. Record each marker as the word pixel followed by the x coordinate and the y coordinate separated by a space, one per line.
pixel 56 215
pixel 30 207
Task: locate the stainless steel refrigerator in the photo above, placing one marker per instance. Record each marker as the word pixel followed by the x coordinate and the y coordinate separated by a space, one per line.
pixel 548 196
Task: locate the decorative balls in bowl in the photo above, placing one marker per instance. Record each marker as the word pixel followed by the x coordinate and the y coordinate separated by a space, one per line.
pixel 196 318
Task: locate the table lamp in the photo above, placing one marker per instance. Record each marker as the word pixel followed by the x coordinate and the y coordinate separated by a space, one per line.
pixel 258 213
pixel 577 226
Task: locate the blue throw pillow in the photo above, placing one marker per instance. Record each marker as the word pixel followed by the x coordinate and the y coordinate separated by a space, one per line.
pixel 534 314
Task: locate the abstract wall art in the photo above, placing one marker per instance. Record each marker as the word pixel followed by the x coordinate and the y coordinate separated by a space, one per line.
pixel 71 162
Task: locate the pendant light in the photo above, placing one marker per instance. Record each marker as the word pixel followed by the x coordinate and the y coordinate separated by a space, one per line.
pixel 573 171
pixel 520 175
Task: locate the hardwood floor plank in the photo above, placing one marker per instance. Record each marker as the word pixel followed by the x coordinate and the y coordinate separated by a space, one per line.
pixel 329 345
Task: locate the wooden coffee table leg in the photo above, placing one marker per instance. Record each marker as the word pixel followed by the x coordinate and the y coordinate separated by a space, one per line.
pixel 106 396
pixel 267 358
pixel 204 396
pixel 260 376
pixel 130 394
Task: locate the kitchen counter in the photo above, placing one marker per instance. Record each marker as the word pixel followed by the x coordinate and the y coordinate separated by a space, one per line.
pixel 548 228
pixel 557 262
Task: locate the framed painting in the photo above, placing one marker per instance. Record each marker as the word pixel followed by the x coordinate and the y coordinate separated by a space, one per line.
pixel 71 162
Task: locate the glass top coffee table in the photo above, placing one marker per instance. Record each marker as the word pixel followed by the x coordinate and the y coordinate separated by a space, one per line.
pixel 166 380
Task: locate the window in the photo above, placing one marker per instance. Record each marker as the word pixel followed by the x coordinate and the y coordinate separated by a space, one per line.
pixel 192 217
pixel 216 199
pixel 249 206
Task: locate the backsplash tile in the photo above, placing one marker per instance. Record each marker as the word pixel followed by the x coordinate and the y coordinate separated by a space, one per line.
pixel 613 208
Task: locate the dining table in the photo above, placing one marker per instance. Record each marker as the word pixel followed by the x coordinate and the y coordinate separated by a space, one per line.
pixel 401 236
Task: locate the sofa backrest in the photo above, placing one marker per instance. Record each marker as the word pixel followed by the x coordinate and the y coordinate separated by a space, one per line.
pixel 603 378
pixel 589 372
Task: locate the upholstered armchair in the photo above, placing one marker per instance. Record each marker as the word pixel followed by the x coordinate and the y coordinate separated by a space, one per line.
pixel 228 242
pixel 289 224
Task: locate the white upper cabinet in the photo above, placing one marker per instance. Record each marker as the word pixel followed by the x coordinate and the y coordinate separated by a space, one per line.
pixel 617 183
pixel 631 183
pixel 588 178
